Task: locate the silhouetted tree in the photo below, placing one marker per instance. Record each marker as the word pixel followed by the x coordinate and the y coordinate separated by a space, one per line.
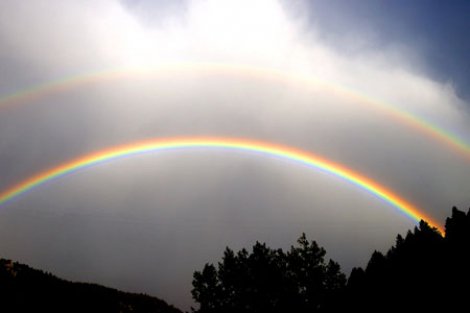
pixel 268 280
pixel 458 228
pixel 423 271
pixel 316 280
pixel 207 290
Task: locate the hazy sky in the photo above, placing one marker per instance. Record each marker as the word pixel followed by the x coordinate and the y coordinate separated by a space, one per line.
pixel 243 68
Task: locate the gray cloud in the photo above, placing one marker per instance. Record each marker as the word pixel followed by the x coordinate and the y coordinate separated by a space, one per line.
pixel 146 223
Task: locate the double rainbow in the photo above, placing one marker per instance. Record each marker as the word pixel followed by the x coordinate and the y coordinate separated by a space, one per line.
pixel 262 148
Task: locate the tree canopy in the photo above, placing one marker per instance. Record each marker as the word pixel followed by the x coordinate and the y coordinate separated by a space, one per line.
pixel 268 280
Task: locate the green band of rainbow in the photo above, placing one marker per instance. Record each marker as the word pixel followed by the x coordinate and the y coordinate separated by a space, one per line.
pixel 263 148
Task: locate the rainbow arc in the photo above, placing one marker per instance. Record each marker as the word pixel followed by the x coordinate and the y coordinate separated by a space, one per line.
pixel 432 130
pixel 230 144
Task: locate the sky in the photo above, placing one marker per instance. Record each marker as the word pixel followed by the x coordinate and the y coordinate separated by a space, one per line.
pixel 346 80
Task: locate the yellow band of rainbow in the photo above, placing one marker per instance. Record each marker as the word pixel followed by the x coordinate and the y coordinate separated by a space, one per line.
pixel 267 149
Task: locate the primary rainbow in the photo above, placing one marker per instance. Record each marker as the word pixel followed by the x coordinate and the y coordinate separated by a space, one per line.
pixel 263 148
pixel 432 130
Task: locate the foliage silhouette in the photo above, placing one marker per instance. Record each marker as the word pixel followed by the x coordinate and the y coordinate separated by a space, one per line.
pixel 422 271
pixel 268 280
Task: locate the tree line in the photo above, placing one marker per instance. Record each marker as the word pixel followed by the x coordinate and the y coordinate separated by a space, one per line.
pixel 422 271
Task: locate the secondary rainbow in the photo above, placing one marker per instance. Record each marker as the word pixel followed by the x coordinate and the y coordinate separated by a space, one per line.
pixel 436 132
pixel 267 149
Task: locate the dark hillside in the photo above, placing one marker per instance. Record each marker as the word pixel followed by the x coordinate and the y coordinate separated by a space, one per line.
pixel 23 289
